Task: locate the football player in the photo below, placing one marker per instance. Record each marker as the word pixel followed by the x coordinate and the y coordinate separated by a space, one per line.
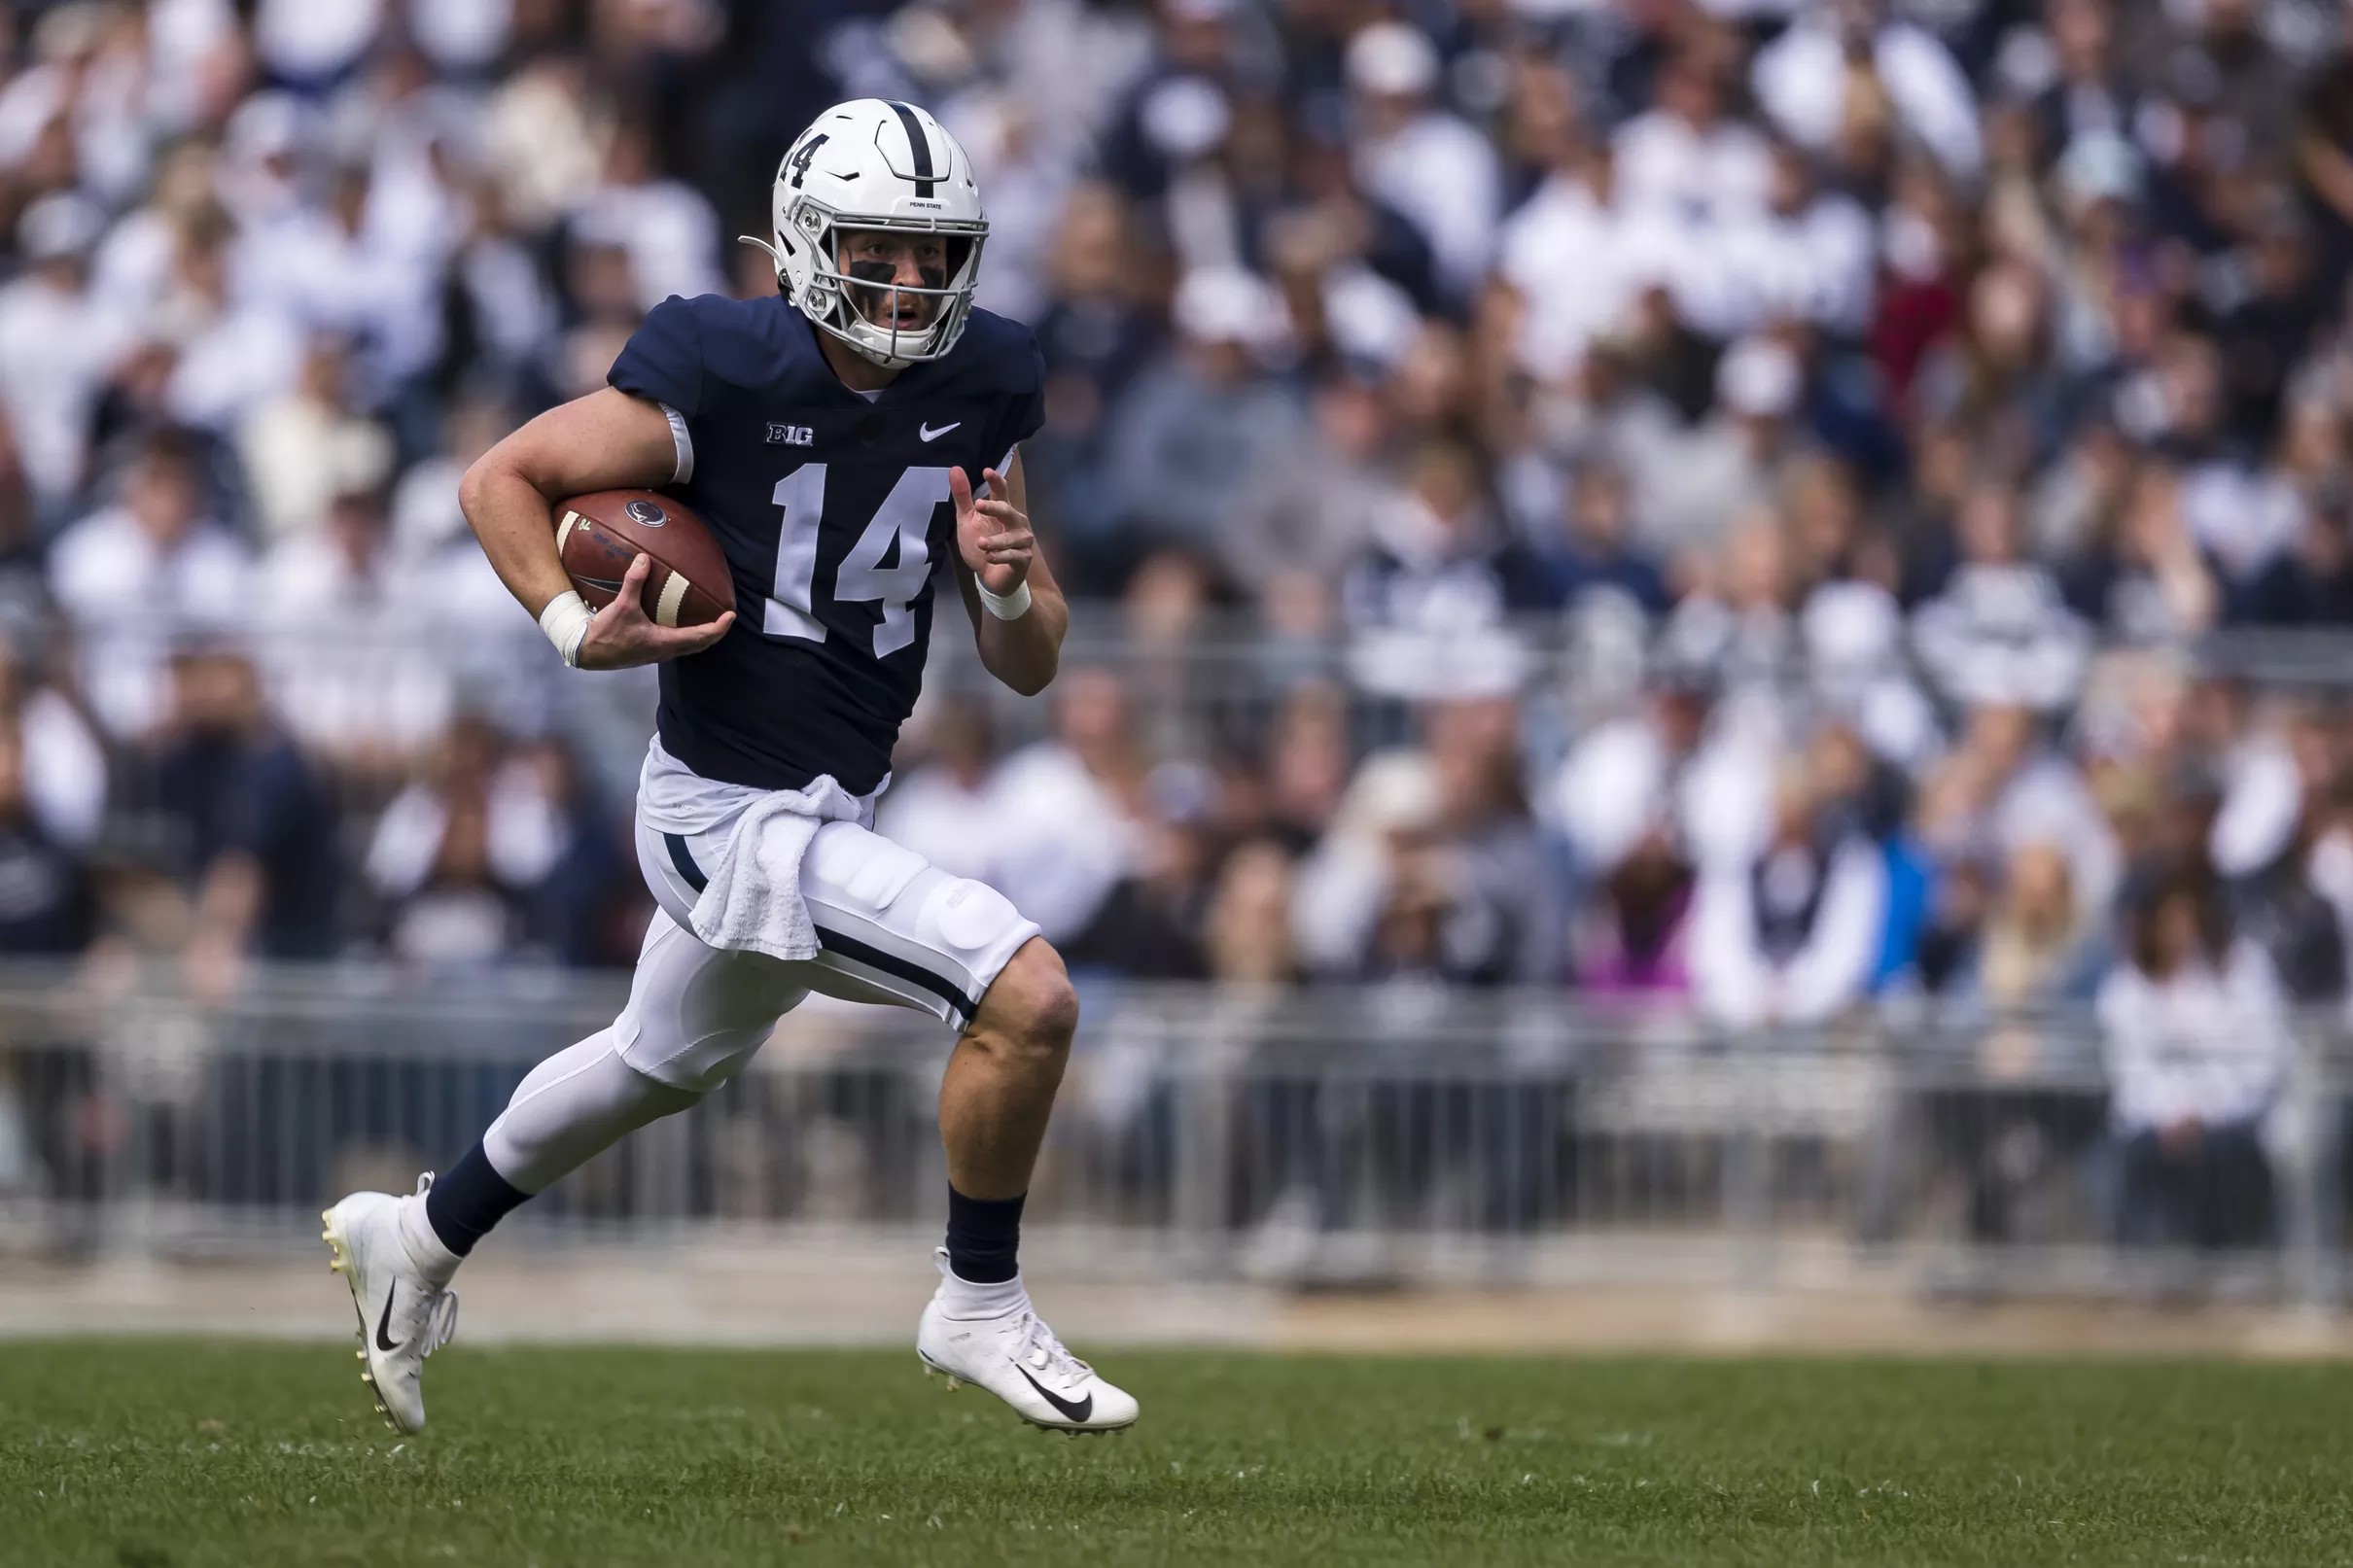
pixel 840 439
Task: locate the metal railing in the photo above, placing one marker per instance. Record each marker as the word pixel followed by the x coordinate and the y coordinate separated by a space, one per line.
pixel 1300 1138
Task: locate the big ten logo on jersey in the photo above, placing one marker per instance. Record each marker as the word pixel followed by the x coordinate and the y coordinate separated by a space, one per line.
pixel 790 435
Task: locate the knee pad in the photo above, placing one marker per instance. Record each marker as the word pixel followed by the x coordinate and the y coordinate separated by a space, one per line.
pixel 972 917
pixel 973 923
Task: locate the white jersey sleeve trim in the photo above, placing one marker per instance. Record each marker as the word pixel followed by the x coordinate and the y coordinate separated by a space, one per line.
pixel 682 441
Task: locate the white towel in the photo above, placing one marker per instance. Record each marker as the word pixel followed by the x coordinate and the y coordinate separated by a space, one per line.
pixel 753 901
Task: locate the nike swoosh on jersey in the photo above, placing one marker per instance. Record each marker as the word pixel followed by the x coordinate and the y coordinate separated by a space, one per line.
pixel 927 434
pixel 1077 1411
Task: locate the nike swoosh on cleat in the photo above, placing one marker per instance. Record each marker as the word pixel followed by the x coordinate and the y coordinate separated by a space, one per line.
pixel 927 434
pixel 384 1334
pixel 1078 1412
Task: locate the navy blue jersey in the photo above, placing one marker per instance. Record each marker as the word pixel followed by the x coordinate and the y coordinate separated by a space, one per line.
pixel 834 513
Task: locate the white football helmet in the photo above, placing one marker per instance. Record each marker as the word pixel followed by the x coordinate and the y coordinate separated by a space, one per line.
pixel 875 163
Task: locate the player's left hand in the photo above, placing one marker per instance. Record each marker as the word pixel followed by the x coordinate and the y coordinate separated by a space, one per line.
pixel 993 536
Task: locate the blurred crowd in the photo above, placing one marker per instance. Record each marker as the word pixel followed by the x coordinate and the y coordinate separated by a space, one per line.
pixel 1721 498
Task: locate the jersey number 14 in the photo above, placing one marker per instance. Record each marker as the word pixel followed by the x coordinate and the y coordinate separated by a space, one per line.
pixel 904 516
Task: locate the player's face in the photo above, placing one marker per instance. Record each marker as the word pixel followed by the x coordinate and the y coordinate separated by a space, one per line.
pixel 885 263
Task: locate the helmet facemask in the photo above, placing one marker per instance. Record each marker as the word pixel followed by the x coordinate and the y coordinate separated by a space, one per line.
pixel 863 304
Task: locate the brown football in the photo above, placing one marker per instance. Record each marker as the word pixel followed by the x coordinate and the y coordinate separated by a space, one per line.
pixel 599 534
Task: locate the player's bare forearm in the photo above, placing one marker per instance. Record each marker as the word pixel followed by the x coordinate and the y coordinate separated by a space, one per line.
pixel 1024 653
pixel 997 558
pixel 607 440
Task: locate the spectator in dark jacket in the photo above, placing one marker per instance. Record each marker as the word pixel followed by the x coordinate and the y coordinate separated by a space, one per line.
pixel 1596 553
pixel 1999 632
pixel 256 824
pixel 1149 927
pixel 1427 600
pixel 2312 585
pixel 2279 908
pixel 491 854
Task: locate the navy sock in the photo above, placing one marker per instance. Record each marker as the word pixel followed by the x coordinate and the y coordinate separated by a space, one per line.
pixel 467 1200
pixel 984 1238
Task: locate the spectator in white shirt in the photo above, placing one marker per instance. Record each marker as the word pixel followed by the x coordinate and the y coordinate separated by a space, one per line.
pixel 1069 826
pixel 1789 936
pixel 134 261
pixel 64 769
pixel 140 574
pixel 1853 630
pixel 425 512
pixel 1818 74
pixel 353 672
pixel 263 176
pixel 933 809
pixel 1807 255
pixel 299 448
pixel 2000 633
pixel 228 353
pixel 2195 1041
pixel 1360 874
pixel 1581 257
pixel 83 117
pixel 667 228
pixel 57 343
pixel 1668 768
pixel 539 139
pixel 1687 158
pixel 1427 598
pixel 1429 164
pixel 335 268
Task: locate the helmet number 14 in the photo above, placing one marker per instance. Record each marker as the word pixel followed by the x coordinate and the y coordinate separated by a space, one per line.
pixel 799 164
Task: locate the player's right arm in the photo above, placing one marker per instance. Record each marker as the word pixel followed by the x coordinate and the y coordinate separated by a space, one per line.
pixel 607 440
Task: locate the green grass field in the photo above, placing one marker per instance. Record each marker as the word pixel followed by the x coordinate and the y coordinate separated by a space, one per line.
pixel 148 1454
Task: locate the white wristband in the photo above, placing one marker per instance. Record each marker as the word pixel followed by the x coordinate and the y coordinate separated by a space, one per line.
pixel 1005 606
pixel 565 621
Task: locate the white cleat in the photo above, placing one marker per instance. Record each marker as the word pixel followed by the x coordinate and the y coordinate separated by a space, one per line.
pixel 1017 1358
pixel 403 1317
